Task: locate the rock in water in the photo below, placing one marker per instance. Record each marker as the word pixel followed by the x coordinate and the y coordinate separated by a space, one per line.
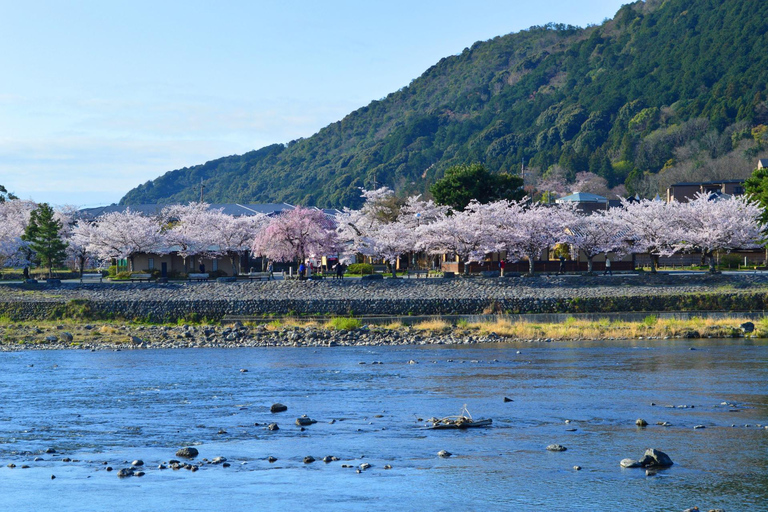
pixel 278 408
pixel 640 422
pixel 629 463
pixel 125 472
pixel 304 421
pixel 271 459
pixel 309 459
pixel 188 452
pixel 655 459
pixel 273 426
pixel 507 400
pixel 747 327
pixel 556 448
pixel 444 453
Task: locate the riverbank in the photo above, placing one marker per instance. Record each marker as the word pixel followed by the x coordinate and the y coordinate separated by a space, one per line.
pixel 477 295
pixel 341 332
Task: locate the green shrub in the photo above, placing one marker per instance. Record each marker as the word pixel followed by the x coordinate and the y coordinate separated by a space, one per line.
pixel 343 324
pixel 360 268
pixel 112 270
pixel 650 320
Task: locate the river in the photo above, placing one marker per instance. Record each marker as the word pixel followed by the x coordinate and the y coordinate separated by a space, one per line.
pixel 108 408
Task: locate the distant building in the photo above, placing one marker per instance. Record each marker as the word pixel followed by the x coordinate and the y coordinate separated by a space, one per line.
pixel 236 210
pixel 685 191
pixel 585 202
pixel 762 163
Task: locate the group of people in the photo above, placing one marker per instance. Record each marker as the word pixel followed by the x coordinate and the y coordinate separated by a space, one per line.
pixel 305 272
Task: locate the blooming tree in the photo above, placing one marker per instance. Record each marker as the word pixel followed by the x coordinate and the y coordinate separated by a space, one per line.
pixel 295 235
pixel 532 228
pixel 652 226
pixel 189 229
pixel 14 218
pixel 600 232
pixel 711 224
pixel 124 234
pixel 233 235
pixel 468 234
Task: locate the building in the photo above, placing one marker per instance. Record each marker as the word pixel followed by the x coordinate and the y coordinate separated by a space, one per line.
pixel 685 191
pixel 586 202
pixel 762 163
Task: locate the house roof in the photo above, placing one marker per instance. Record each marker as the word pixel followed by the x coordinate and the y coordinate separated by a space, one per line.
pixel 763 162
pixel 582 197
pixel 704 183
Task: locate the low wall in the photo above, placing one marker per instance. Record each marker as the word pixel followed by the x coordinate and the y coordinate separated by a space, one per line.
pixel 165 311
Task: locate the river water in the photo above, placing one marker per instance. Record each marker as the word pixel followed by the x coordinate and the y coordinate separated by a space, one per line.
pixel 114 407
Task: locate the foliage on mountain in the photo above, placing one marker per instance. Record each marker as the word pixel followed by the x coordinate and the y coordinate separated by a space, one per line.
pixel 665 83
pixel 756 188
pixel 42 236
pixel 4 194
pixel 462 183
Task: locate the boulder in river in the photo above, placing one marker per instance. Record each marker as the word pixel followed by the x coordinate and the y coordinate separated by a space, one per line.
pixel 656 459
pixel 304 421
pixel 125 472
pixel 444 453
pixel 278 408
pixel 556 448
pixel 640 422
pixel 273 426
pixel 629 463
pixel 187 452
pixel 309 459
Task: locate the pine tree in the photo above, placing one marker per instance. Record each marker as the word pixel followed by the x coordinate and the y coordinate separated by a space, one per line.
pixel 42 236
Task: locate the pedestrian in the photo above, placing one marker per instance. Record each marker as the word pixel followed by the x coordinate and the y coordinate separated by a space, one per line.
pixel 502 264
pixel 26 272
pixel 340 270
pixel 270 268
pixel 302 270
pixel 562 265
pixel 607 266
pixel 202 268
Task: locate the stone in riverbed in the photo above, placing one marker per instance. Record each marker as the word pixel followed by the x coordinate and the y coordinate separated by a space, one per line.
pixel 655 458
pixel 273 426
pixel 137 463
pixel 444 453
pixel 271 459
pixel 218 460
pixel 556 448
pixel 125 472
pixel 309 459
pixel 640 422
pixel 188 452
pixel 278 408
pixel 304 421
pixel 629 463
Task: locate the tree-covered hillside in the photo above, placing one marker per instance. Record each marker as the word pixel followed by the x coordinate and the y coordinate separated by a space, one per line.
pixel 665 84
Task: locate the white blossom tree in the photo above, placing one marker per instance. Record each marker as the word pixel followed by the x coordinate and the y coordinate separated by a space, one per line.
pixel 189 229
pixel 710 224
pixel 14 218
pixel 652 226
pixel 121 235
pixel 600 232
pixel 234 235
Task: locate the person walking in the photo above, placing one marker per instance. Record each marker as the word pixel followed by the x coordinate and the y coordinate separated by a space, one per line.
pixel 302 271
pixel 562 265
pixel 340 270
pixel 502 265
pixel 608 266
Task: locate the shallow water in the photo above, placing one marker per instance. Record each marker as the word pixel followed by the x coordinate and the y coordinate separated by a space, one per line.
pixel 112 407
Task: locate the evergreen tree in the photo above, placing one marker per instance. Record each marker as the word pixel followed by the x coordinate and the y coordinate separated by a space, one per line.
pixel 4 194
pixel 463 183
pixel 42 236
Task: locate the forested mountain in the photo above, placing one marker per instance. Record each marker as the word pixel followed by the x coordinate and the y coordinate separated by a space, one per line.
pixel 664 87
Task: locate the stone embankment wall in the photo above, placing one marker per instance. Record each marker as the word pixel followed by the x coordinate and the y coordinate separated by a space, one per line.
pixel 213 301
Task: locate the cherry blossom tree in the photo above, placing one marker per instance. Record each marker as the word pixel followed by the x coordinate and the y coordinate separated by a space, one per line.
pixel 533 228
pixel 600 232
pixel 189 229
pixel 234 235
pixel 297 234
pixel 14 218
pixel 711 224
pixel 653 227
pixel 124 234
pixel 468 234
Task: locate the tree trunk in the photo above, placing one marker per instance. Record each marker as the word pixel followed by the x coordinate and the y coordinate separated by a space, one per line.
pixel 654 263
pixel 712 269
pixel 589 265
pixel 530 265
pixel 82 264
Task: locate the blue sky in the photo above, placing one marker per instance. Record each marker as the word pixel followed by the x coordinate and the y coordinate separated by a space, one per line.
pixel 97 97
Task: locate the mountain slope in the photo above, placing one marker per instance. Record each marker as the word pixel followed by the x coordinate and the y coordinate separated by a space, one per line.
pixel 618 100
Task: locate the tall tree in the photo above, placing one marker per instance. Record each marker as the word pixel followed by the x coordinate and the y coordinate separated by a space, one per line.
pixel 4 194
pixel 463 183
pixel 296 235
pixel 42 235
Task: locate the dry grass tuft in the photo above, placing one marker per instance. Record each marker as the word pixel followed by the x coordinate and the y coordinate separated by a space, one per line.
pixel 432 325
